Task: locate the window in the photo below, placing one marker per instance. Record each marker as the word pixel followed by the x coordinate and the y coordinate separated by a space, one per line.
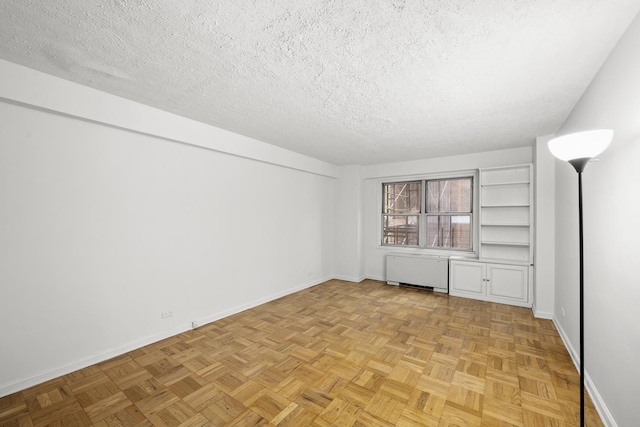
pixel 449 213
pixel 431 213
pixel 401 213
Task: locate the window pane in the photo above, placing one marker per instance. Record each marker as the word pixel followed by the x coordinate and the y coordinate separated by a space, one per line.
pixel 449 231
pixel 402 197
pixel 400 230
pixel 449 195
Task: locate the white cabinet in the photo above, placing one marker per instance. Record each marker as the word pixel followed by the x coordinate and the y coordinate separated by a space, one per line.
pixel 508 283
pixel 467 278
pixel 502 283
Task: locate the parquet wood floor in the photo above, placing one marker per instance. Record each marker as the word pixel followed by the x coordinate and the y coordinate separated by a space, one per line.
pixel 336 354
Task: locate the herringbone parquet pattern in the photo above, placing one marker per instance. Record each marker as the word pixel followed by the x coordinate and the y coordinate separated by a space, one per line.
pixel 337 354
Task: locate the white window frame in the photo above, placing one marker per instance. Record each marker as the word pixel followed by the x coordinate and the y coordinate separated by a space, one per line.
pixel 422 236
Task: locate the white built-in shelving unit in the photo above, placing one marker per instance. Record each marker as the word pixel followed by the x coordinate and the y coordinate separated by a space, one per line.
pixel 505 214
pixel 503 271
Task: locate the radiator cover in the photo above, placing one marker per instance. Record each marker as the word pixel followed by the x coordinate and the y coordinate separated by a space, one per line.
pixel 418 270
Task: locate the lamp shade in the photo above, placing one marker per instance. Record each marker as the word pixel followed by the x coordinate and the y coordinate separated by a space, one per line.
pixel 581 145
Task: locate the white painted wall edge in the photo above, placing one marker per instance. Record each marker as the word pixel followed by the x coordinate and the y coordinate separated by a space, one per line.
pixel 598 402
pixel 29 87
pixel 42 377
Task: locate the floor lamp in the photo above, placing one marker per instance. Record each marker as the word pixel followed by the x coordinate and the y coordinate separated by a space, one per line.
pixel 578 149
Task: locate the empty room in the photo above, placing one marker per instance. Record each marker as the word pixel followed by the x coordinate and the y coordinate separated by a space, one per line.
pixel 388 213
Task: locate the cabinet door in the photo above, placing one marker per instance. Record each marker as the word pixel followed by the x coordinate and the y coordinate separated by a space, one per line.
pixel 508 281
pixel 467 278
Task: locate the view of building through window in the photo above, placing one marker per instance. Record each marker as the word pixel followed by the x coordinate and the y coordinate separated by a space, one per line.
pixel 449 213
pixel 440 207
pixel 401 213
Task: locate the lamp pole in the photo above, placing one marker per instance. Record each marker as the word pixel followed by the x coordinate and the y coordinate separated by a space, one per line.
pixel 581 300
pixel 579 165
pixel 578 149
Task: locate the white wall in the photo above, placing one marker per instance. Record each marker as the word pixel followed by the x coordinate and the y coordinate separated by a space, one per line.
pixel 544 258
pixel 348 224
pixel 103 227
pixel 612 233
pixel 374 253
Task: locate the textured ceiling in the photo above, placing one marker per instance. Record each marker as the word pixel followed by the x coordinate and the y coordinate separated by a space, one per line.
pixel 348 82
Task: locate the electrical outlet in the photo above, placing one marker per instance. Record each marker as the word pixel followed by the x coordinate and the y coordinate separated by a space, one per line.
pixel 562 309
pixel 166 314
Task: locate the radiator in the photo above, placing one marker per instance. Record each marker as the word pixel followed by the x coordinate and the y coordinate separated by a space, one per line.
pixel 418 270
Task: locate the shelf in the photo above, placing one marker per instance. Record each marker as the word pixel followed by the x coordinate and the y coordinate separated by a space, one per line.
pixel 501 176
pixel 506 227
pixel 504 243
pixel 517 215
pixel 495 184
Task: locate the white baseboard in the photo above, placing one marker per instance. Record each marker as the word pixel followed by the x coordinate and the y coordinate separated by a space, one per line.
pixel 39 378
pixel 350 278
pixel 542 314
pixel 598 402
pixel 237 309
